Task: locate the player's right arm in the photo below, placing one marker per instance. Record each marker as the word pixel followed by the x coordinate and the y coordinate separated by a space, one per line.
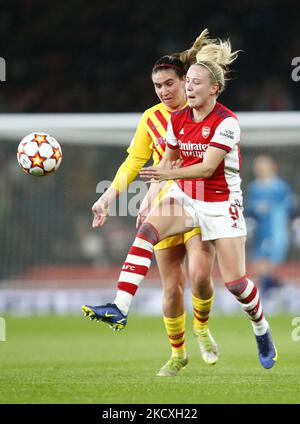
pixel 139 152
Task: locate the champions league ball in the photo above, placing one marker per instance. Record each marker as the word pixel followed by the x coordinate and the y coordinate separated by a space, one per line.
pixel 39 154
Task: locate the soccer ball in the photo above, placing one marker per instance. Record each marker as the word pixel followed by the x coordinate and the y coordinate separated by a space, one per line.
pixel 39 154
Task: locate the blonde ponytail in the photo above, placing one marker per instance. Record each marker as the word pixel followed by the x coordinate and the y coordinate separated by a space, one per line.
pixel 188 57
pixel 219 53
pixel 216 57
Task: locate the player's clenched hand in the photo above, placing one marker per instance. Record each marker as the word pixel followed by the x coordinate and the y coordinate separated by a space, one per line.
pixel 100 210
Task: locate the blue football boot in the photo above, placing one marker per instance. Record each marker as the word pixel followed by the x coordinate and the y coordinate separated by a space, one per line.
pixel 108 313
pixel 266 350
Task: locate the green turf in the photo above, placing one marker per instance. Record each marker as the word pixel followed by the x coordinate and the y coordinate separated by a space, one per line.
pixel 73 360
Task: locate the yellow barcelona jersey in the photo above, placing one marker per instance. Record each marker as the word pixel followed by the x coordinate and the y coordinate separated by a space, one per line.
pixel 150 136
pixel 148 141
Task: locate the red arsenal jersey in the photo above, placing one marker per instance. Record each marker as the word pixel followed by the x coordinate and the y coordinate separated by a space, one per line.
pixel 218 129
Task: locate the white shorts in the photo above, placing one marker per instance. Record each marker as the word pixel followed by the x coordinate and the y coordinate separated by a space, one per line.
pixel 216 219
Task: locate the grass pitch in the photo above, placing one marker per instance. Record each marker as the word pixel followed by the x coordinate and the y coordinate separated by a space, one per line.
pixel 56 359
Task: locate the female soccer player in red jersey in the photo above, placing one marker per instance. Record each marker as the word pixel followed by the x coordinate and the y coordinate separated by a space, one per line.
pixel 207 191
pixel 168 76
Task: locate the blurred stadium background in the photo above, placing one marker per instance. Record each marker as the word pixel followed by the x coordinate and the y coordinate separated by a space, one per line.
pixel 84 77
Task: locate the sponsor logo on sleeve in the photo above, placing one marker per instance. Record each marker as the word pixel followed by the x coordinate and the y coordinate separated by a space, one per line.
pixel 228 134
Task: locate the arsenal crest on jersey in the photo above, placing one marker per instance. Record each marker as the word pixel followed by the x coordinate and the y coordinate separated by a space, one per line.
pixel 205 132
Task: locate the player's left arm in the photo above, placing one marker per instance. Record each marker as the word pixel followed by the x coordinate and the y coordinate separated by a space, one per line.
pixel 211 160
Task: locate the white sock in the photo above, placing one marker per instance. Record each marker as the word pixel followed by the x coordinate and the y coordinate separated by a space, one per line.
pixel 260 327
pixel 123 300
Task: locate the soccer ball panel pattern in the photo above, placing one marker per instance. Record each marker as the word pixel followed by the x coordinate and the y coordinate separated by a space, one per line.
pixel 39 154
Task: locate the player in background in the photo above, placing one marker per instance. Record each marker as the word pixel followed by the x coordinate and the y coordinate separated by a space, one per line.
pixel 271 202
pixel 207 192
pixel 168 76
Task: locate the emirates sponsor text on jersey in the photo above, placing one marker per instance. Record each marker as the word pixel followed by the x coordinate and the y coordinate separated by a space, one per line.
pixel 192 149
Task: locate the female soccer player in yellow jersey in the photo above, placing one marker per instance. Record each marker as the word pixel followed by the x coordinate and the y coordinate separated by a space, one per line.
pixel 168 76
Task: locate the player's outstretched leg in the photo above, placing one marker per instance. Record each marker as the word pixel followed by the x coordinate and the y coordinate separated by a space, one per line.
pixel 135 268
pixel 108 313
pixel 207 344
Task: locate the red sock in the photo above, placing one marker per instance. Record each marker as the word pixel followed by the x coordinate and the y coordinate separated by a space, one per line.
pixel 136 265
pixel 248 295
